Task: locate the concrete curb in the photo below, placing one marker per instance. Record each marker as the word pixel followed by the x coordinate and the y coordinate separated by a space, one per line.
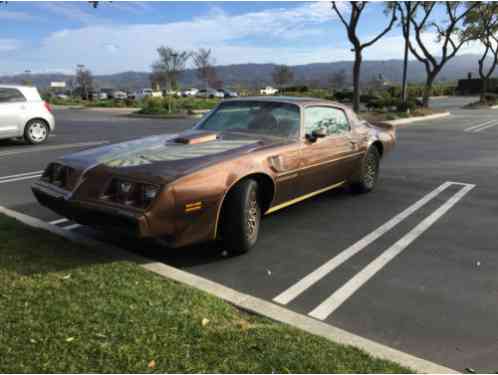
pixel 494 107
pixel 404 121
pixel 244 301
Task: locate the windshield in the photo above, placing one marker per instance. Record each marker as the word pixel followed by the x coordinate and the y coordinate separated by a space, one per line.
pixel 253 117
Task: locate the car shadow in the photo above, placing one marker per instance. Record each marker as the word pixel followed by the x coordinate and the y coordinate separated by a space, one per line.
pixel 277 225
pixel 298 215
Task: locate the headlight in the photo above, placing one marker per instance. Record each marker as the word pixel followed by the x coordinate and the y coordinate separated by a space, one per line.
pixel 133 194
pixel 60 175
pixel 125 187
pixel 150 192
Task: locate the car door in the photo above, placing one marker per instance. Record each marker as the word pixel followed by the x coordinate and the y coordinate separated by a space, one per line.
pixel 330 159
pixel 12 108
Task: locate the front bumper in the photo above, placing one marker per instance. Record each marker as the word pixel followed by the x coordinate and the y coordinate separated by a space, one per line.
pixel 93 215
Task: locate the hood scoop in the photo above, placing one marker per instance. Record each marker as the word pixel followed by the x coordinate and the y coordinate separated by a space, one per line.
pixel 196 138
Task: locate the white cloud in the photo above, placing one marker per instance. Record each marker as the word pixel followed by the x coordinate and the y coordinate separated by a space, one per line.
pixel 297 35
pixel 73 12
pixel 7 45
pixel 8 15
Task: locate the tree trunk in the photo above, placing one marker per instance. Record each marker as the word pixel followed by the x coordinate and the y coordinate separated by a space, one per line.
pixel 356 80
pixel 404 89
pixel 428 89
pixel 484 88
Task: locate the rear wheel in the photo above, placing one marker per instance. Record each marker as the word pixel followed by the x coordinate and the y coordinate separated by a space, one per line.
pixel 36 132
pixel 241 218
pixel 369 172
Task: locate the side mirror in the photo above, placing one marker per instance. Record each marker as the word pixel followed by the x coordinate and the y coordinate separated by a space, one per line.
pixel 315 134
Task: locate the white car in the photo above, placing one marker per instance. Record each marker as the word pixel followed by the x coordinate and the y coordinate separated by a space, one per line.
pixel 119 95
pixel 268 90
pixel 190 92
pixel 210 93
pixel 23 113
pixel 144 93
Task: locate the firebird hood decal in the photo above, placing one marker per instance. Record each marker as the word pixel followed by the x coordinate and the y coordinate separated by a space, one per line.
pixel 149 150
pixel 174 151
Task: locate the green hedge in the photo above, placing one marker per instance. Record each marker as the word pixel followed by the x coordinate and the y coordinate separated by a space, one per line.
pixel 176 105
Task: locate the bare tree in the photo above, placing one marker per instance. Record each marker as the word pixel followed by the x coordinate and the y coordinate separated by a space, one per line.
pixel 482 24
pixel 84 80
pixel 204 64
pixel 170 66
pixel 282 75
pixel 450 35
pixel 355 11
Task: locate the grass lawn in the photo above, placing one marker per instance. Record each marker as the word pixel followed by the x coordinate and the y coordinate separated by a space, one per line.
pixel 65 307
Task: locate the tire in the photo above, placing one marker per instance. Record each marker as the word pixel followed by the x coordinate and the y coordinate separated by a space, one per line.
pixel 36 132
pixel 241 218
pixel 369 172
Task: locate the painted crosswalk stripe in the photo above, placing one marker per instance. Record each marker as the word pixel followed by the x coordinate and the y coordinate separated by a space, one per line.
pixel 295 290
pixel 332 303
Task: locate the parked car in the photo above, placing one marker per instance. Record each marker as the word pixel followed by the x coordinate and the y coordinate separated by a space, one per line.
pixel 248 158
pixel 268 90
pixel 144 93
pixel 102 96
pixel 190 92
pixel 228 93
pixel 62 96
pixel 210 93
pixel 23 113
pixel 119 95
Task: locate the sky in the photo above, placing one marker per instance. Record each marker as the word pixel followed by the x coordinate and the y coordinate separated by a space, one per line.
pixel 46 37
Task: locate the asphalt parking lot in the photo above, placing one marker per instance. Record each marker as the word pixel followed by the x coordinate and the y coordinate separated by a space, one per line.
pixel 413 265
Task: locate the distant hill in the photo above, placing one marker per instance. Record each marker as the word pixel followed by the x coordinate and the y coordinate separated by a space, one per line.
pixel 257 75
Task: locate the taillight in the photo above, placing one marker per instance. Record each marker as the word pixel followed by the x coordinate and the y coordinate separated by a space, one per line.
pixel 48 107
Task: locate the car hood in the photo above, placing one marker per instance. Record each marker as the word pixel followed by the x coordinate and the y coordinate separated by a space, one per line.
pixel 169 156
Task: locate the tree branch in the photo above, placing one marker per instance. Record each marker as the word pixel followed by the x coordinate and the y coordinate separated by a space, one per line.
pixel 384 32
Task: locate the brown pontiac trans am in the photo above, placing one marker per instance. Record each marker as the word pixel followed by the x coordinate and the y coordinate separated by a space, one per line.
pixel 246 158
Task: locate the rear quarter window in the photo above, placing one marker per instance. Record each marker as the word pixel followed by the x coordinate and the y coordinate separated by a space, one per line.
pixel 8 95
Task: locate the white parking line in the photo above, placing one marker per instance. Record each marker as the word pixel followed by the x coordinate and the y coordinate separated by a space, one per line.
pixel 327 307
pixel 20 175
pixel 71 227
pixel 50 148
pixel 484 125
pixel 295 290
pixel 59 221
pixel 4 181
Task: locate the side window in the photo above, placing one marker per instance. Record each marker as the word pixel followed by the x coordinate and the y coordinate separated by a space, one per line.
pixel 334 120
pixel 8 95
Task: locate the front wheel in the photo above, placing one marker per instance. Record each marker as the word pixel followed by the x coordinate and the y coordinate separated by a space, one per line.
pixel 369 172
pixel 241 218
pixel 36 132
